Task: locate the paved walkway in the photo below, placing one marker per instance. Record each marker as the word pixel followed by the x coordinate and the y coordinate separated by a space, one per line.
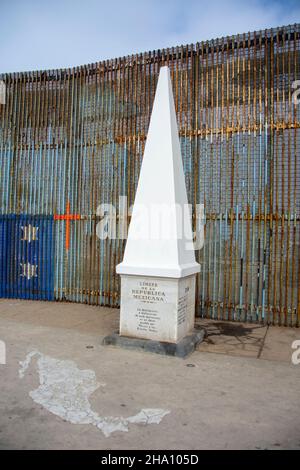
pixel 60 388
pixel 249 340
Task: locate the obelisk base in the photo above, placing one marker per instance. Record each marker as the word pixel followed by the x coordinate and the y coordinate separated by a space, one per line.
pixel 157 308
pixel 157 315
pixel 182 349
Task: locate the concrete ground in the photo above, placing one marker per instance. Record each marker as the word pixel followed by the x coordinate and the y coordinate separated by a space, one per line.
pixel 239 390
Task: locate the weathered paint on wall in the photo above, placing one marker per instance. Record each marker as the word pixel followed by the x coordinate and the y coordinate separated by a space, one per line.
pixel 72 139
pixel 26 262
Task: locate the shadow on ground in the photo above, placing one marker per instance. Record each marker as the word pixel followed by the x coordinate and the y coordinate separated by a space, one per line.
pixel 232 338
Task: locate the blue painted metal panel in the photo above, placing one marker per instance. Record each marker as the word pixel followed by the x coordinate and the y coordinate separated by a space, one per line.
pixel 3 256
pixel 27 259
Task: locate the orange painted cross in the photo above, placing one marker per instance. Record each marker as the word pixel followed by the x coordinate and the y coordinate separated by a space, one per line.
pixel 67 217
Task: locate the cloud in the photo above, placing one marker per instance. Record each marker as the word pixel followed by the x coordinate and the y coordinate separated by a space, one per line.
pixel 209 20
pixel 63 33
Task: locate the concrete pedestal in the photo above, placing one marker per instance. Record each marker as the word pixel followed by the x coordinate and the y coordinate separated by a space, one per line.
pixel 182 349
pixel 157 308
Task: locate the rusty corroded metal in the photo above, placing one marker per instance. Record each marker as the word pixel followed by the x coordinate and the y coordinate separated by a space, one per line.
pixel 72 139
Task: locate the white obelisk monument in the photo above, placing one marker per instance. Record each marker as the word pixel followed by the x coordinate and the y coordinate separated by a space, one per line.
pixel 159 269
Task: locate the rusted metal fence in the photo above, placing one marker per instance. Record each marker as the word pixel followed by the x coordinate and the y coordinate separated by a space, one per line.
pixel 73 139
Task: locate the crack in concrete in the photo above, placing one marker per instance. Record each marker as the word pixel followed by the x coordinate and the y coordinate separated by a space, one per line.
pixel 263 343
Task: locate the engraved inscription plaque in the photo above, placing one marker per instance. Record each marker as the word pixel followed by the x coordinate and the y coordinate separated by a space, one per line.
pixel 157 308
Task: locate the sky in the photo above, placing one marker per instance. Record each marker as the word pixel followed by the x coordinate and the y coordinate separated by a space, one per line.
pixel 48 34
